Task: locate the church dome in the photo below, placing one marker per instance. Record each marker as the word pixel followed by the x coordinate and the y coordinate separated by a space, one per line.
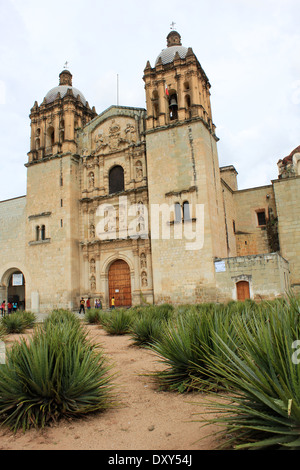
pixel 65 83
pixel 174 45
pixel 63 89
pixel 167 55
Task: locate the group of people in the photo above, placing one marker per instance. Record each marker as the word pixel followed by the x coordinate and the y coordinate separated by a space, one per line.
pixel 9 307
pixel 87 304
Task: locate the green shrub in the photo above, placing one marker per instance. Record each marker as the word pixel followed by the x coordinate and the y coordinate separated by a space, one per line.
pixel 57 373
pixel 29 318
pixel 164 311
pixel 118 322
pixel 13 323
pixel 62 317
pixel 18 322
pixel 92 316
pixel 146 329
pixel 185 346
pixel 264 410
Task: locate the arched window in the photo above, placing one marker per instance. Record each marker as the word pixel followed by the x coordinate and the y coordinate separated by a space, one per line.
pixel 155 102
pixel 187 101
pixel 37 139
pixel 116 180
pixel 173 106
pixel 50 137
pixel 177 212
pixel 186 211
pixel 43 232
pixel 62 130
pixel 37 233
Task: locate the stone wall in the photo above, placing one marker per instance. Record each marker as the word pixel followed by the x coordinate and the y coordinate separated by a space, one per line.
pixel 252 238
pixel 12 241
pixel 183 166
pixel 53 202
pixel 287 193
pixel 267 274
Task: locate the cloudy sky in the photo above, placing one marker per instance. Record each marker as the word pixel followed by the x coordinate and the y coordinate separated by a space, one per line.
pixel 249 49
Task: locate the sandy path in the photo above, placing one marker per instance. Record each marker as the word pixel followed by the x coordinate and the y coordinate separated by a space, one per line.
pixel 146 420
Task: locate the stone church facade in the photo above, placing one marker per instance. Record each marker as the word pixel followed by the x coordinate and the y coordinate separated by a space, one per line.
pixel 132 203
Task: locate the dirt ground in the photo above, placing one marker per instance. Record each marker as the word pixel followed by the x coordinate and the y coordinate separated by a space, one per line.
pixel 147 419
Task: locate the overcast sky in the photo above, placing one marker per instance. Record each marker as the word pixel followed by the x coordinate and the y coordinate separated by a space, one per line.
pixel 249 49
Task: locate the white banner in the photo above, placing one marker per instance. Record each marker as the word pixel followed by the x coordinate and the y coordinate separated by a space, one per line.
pixel 17 280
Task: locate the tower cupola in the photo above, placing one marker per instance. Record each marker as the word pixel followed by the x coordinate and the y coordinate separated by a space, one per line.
pixel 54 122
pixel 177 88
pixel 173 39
pixel 65 78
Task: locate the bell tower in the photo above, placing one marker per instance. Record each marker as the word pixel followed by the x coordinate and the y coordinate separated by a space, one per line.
pixel 177 88
pixel 53 193
pixel 54 122
pixel 183 175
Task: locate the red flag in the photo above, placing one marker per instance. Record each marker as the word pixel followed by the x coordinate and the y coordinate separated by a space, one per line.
pixel 167 91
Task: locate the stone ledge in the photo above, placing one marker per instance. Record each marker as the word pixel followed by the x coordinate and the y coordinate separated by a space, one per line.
pixel 40 242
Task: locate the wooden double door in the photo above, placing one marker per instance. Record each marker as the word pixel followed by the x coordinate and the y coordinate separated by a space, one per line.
pixel 119 282
pixel 243 290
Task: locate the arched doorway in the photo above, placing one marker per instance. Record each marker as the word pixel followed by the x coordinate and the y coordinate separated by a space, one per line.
pixel 16 289
pixel 119 282
pixel 242 290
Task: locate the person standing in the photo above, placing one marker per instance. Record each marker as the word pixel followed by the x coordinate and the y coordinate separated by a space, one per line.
pixel 82 306
pixel 88 304
pixel 113 303
pixel 3 308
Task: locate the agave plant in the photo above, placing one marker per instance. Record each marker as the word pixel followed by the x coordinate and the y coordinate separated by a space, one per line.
pixel 118 322
pixel 57 373
pixel 14 323
pixel 62 317
pixel 185 346
pixel 29 318
pixel 265 378
pixel 92 316
pixel 163 311
pixel 146 329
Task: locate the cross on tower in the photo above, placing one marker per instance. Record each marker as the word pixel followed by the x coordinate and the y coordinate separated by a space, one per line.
pixel 173 25
pixel 66 65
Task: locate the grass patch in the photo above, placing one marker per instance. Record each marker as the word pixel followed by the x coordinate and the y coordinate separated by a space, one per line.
pixel 57 373
pixel 17 322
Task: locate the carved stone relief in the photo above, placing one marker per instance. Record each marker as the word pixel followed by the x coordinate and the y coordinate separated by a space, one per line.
pixel 144 279
pixel 116 136
pixel 138 170
pixel 93 283
pixel 91 178
pixel 143 261
pixel 92 231
pixel 92 266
